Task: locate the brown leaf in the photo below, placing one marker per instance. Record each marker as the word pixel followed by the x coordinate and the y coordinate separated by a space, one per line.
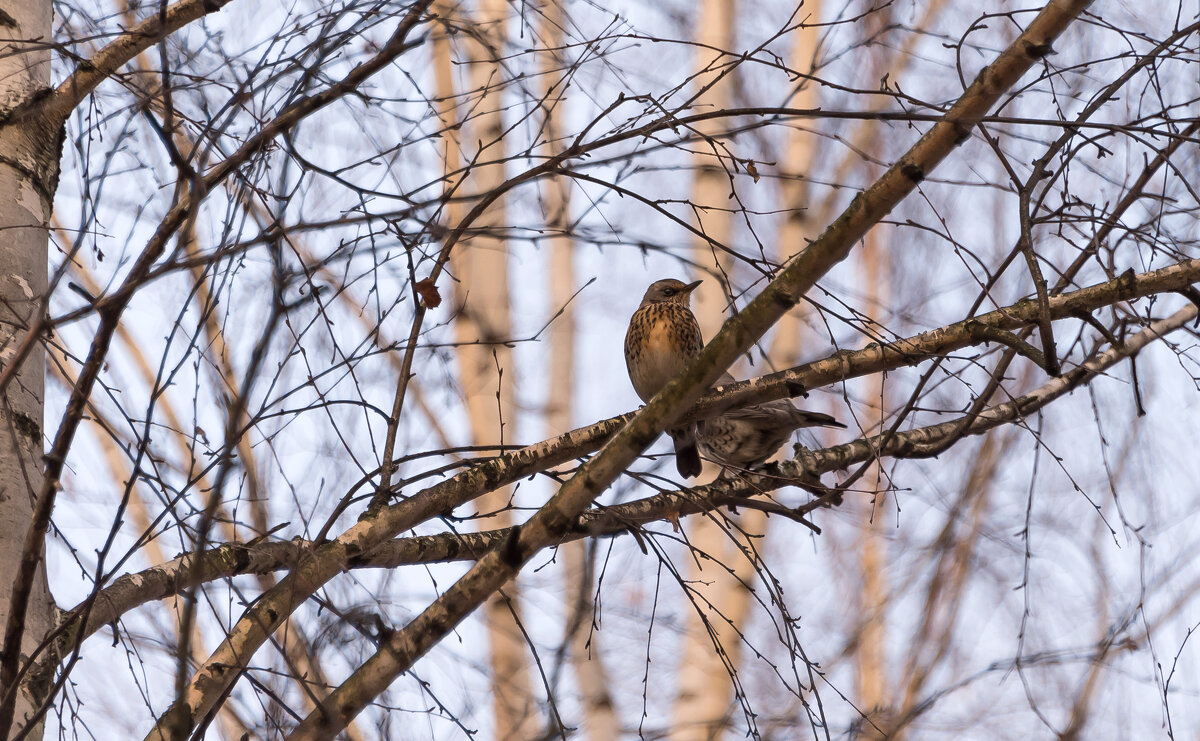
pixel 428 292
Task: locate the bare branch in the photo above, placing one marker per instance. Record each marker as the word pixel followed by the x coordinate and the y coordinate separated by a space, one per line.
pixel 488 574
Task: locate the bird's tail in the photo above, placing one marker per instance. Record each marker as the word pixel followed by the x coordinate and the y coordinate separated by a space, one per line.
pixel 804 418
pixel 687 458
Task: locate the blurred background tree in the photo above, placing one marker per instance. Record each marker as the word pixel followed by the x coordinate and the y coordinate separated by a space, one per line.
pixel 328 300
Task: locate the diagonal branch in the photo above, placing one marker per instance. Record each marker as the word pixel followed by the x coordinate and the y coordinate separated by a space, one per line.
pixel 131 590
pixel 398 652
pixel 89 73
pixel 110 315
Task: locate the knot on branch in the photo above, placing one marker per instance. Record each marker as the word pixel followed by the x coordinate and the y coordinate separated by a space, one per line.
pixel 1038 51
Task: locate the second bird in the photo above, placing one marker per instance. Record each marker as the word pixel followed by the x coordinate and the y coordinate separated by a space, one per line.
pixel 663 336
pixel 745 437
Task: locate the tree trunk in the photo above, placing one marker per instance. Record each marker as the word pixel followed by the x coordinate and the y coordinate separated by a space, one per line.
pixel 482 327
pixel 871 662
pixel 799 154
pixel 601 723
pixel 875 515
pixel 711 644
pixel 29 152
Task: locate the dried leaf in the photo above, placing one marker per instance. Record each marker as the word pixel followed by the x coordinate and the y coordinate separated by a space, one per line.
pixel 428 292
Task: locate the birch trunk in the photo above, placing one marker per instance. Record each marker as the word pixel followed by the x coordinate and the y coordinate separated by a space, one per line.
pixel 803 220
pixel 875 514
pixel 601 722
pixel 482 326
pixel 29 152
pixel 799 155
pixel 711 645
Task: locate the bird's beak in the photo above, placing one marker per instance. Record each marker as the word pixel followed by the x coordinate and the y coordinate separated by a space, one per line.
pixel 691 286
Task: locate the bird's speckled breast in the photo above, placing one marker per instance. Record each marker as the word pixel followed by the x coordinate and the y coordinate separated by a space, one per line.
pixel 660 341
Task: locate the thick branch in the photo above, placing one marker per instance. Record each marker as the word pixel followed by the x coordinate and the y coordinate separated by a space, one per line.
pixel 112 309
pixel 132 590
pixel 877 357
pixel 402 648
pixel 916 443
pixel 318 565
pixel 91 72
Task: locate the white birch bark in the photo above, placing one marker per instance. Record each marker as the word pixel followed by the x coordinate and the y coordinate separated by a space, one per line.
pixel 29 150
pixel 874 515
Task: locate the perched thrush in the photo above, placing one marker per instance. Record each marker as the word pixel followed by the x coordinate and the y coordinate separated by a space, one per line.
pixel 743 438
pixel 663 336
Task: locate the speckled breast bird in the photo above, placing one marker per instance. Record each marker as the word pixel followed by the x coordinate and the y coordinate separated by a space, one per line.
pixel 662 337
pixel 743 438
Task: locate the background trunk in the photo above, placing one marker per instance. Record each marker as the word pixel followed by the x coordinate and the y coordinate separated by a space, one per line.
pixel 583 642
pixel 718 571
pixel 799 156
pixel 482 326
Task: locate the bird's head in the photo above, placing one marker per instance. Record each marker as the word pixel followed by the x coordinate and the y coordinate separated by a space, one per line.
pixel 669 291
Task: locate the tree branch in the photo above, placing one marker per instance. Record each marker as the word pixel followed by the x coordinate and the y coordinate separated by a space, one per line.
pixel 110 314
pixel 401 649
pixel 131 590
pixel 89 73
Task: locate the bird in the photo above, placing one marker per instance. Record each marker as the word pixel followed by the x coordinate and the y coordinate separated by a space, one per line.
pixel 663 336
pixel 743 438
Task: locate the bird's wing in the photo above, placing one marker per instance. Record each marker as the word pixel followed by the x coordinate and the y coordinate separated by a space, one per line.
pixel 782 412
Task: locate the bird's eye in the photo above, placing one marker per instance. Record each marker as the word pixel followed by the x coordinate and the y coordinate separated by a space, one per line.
pixel 669 291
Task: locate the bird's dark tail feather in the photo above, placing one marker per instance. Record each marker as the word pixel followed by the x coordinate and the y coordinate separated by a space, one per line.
pixel 817 419
pixel 687 458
